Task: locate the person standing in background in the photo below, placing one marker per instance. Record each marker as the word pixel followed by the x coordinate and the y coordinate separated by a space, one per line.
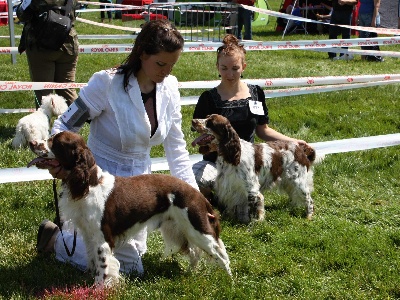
pixel 102 13
pixel 341 15
pixel 244 18
pixel 324 18
pixel 48 65
pixel 368 16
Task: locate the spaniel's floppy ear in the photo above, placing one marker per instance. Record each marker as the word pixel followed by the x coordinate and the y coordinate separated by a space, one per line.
pixel 229 145
pixel 83 175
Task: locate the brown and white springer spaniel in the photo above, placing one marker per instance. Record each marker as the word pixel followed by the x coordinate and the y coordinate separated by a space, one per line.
pixel 245 170
pixel 107 209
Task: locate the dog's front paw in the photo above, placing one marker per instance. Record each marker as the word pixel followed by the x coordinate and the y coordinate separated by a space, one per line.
pixel 256 207
pixel 106 266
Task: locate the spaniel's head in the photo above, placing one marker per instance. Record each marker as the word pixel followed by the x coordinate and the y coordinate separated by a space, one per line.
pixel 217 134
pixel 68 151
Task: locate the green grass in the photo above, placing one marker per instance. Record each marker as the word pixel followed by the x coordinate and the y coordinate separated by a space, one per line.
pixel 351 250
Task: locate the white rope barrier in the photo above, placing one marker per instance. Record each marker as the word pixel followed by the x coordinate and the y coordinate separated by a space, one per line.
pixel 315 45
pixel 12 175
pixel 14 86
pixel 313 85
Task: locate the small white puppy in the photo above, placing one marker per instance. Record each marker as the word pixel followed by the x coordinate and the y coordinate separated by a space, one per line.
pixel 36 126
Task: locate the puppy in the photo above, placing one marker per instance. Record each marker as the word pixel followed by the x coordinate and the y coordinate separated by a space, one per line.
pixel 36 126
pixel 245 170
pixel 109 209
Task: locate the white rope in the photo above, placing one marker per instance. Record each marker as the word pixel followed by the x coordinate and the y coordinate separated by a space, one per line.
pixel 160 164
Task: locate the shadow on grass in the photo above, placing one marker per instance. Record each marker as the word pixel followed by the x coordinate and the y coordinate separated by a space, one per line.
pixel 157 266
pixel 6 133
pixel 44 275
pixel 39 276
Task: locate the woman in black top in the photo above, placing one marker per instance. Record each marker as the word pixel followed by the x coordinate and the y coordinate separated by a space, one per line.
pixel 242 104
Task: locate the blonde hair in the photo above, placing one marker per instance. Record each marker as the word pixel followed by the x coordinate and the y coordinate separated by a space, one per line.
pixel 231 47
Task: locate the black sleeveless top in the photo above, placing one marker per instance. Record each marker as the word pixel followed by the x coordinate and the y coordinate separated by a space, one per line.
pixel 237 112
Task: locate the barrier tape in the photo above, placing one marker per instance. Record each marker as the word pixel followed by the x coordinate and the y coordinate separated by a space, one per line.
pixel 316 45
pixel 135 30
pixel 16 110
pixel 324 89
pixel 111 4
pixel 11 175
pixel 192 100
pixel 275 82
pixel 93 36
pixel 13 86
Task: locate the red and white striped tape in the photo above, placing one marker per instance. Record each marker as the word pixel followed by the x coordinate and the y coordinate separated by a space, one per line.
pixel 316 45
pixel 342 83
pixel 13 86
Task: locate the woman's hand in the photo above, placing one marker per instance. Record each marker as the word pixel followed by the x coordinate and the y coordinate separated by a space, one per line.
pixel 301 142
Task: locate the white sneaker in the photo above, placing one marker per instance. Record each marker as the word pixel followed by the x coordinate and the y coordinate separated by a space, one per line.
pixel 344 57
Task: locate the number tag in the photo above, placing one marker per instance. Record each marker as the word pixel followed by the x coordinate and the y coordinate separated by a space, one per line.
pixel 256 107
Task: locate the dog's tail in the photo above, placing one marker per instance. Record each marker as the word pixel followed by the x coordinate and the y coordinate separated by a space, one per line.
pixel 19 140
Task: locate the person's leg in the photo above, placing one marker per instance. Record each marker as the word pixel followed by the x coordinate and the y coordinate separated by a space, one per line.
pixel 41 68
pixel 109 15
pixel 376 58
pixel 233 18
pixel 79 258
pixel 65 70
pixel 289 26
pixel 334 30
pixel 320 28
pixel 118 13
pixel 364 20
pixel 102 15
pixel 344 18
pixel 240 22
pixel 247 18
pixel 128 254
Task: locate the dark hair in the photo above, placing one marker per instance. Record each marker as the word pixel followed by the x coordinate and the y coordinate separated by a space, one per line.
pixel 231 47
pixel 156 36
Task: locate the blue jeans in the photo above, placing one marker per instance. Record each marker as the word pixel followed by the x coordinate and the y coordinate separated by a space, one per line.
pixel 244 19
pixel 365 20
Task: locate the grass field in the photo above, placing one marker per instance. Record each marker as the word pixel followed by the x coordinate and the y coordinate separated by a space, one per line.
pixel 351 249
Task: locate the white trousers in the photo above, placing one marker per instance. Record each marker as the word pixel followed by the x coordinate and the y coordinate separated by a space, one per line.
pixel 128 253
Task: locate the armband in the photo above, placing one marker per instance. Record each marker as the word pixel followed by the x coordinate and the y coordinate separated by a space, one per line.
pixel 76 114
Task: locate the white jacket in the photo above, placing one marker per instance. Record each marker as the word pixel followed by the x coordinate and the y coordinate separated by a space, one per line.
pixel 120 128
